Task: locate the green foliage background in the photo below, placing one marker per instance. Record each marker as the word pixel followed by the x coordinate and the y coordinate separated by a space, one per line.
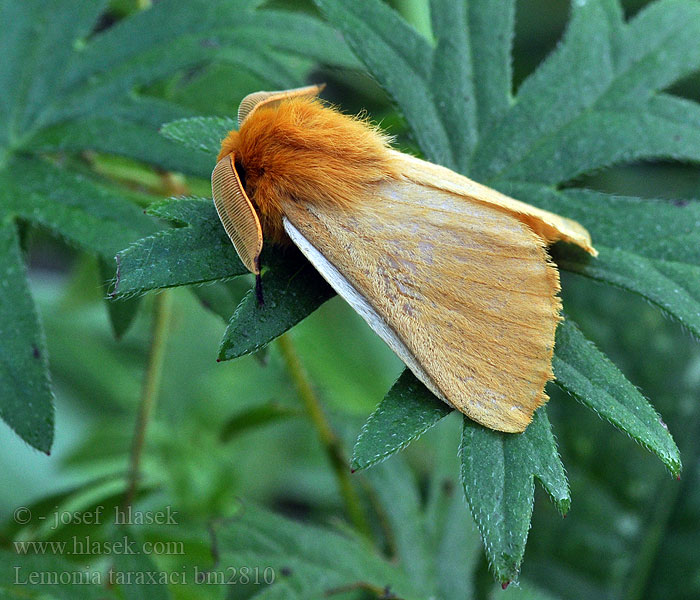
pixel 230 447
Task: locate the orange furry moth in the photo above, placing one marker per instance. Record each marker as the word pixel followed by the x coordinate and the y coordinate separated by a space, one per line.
pixel 452 275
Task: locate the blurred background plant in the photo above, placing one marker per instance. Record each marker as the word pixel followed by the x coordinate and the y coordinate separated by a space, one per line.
pixel 93 82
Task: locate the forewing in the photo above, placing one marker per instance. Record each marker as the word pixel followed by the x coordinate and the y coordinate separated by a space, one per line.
pixel 549 226
pixel 466 291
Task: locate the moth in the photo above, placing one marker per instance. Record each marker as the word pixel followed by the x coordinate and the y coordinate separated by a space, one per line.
pixel 454 276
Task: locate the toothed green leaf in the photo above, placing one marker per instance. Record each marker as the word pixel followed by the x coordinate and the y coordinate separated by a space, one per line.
pixel 498 472
pixel 291 290
pixel 26 401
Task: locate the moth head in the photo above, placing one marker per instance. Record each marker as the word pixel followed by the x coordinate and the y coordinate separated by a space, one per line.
pixel 237 213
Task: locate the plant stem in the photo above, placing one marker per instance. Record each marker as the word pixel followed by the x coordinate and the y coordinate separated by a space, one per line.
pixel 327 436
pixel 665 503
pixel 417 13
pixel 149 391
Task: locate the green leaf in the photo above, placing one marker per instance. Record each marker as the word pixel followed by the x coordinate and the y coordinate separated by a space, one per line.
pixel 431 557
pixel 610 394
pixel 672 286
pixel 199 252
pixel 498 471
pixel 656 229
pixel 130 570
pixel 89 216
pixel 19 574
pixel 405 413
pixel 523 591
pixel 396 489
pixel 146 47
pixel 36 45
pixel 491 34
pixel 128 127
pixel 151 44
pixel 452 80
pixel 254 417
pixel 655 49
pixel 26 400
pixel 436 540
pixel 649 247
pixel 145 110
pixel 200 133
pixel 400 60
pixel 300 34
pixel 594 102
pixel 310 561
pixel 666 128
pixel 120 137
pixel 122 312
pixel 81 98
pixel 458 548
pixel 473 42
pixel 222 297
pixel 267 66
pixel 564 86
pixel 292 289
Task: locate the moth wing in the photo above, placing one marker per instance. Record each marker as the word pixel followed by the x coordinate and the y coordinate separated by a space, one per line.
pixel 549 226
pixel 461 290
